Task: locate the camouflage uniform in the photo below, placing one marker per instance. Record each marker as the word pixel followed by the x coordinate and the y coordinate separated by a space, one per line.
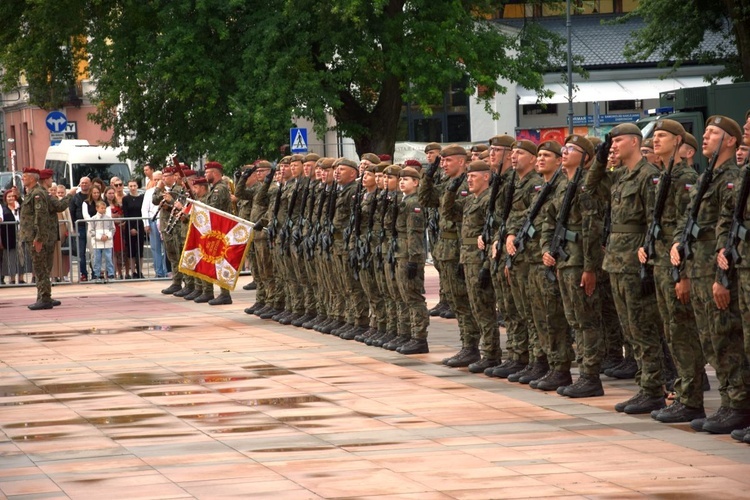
pixel 312 293
pixel 171 240
pixel 720 331
pixel 245 196
pixel 369 211
pixel 260 262
pixel 401 322
pixel 680 327
pixel 299 284
pixel 743 271
pixel 381 268
pixel 527 345
pixel 632 200
pixel 410 225
pixel 481 300
pixel 447 249
pixel 35 226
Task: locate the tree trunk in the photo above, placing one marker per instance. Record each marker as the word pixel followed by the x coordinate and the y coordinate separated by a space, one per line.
pixel 739 14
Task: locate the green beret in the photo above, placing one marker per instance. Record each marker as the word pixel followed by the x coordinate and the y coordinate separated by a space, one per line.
pixel 690 141
pixel 346 162
pixel 452 150
pixel 625 129
pixel 371 157
pixel 728 125
pixel 410 172
pixel 526 145
pixel 582 142
pixel 478 166
pixel 380 167
pixel 595 141
pixel 551 146
pixel 502 140
pixel 372 169
pixel 431 147
pixel 299 158
pixel 392 170
pixel 263 164
pixel 326 163
pixel 311 157
pixel 478 148
pixel 648 143
pixel 484 155
pixel 285 160
pixel 671 126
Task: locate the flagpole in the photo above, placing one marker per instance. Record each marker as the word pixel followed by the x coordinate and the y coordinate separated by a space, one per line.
pixel 225 214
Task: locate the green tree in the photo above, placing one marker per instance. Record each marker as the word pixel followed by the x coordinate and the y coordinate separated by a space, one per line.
pixel 226 77
pixel 676 29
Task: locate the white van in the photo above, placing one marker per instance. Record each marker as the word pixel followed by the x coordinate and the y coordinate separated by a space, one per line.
pixel 76 158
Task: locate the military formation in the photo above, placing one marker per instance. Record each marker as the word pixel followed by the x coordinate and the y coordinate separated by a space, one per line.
pixel 613 254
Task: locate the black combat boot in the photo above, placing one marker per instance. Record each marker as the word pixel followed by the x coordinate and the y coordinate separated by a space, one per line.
pixel 587 386
pixel 415 346
pixel 558 378
pixel 677 412
pixel 464 357
pixel 481 365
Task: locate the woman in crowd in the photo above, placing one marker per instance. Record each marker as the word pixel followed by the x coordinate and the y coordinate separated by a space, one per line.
pixel 114 210
pixel 131 207
pixel 14 257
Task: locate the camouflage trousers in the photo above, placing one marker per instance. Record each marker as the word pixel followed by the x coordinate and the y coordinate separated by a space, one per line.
pixel 279 296
pixel 527 342
pixel 514 324
pixel 641 323
pixel 614 341
pixel 743 275
pixel 584 315
pixel 328 284
pixel 683 338
pixel 374 298
pixel 458 299
pixel 303 290
pixel 313 277
pixel 41 265
pixel 549 319
pixel 263 271
pixel 482 301
pixel 391 307
pixel 721 337
pixel 403 322
pixel 174 251
pixel 355 306
pixel 410 290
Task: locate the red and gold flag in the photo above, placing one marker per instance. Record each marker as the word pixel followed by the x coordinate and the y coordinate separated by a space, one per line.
pixel 215 246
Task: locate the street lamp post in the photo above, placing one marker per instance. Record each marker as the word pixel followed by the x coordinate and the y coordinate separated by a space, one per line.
pixel 570 68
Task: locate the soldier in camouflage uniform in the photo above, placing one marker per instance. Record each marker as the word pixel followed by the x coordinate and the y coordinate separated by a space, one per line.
pixel 673 299
pixel 218 197
pixel 527 184
pixel 56 205
pixel 716 307
pixel 167 191
pixel 577 276
pixel 632 201
pixel 283 273
pixel 246 187
pixel 350 296
pixel 324 258
pixel 316 262
pixel 432 152
pixel 475 265
pixel 410 260
pixel 182 227
pixel 446 251
pixel 36 232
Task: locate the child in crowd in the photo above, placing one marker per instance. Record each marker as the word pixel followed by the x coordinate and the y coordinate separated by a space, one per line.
pixel 101 234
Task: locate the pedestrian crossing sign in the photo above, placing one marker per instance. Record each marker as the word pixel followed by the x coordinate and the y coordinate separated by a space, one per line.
pixel 298 140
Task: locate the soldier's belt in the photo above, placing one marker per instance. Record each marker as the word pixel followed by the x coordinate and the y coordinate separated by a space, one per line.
pixel 706 234
pixel 470 241
pixel 337 236
pixel 628 228
pixel 449 235
pixel 574 227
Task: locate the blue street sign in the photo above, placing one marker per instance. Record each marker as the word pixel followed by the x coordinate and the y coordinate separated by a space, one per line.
pixel 605 119
pixel 56 121
pixel 298 140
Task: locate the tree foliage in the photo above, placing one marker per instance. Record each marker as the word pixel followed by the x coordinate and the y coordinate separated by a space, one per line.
pixel 676 31
pixel 226 77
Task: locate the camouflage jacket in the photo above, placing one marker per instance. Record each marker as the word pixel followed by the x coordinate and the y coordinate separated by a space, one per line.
pixel 35 217
pixel 475 213
pixel 450 209
pixel 166 208
pixel 219 197
pixel 631 203
pixel 525 192
pixel 345 200
pixel 368 208
pixel 246 195
pixel 719 199
pixel 585 219
pixel 743 247
pixel 295 212
pixel 683 178
pixel 390 217
pixel 410 225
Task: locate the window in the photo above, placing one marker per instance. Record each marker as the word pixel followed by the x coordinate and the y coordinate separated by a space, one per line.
pixel 627 105
pixel 539 109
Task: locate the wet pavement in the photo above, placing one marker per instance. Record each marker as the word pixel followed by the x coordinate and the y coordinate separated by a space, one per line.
pixel 126 393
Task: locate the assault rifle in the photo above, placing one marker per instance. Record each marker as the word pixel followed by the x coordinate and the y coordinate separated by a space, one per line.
pixel 286 231
pixel 691 230
pixel 297 231
pixel 391 257
pixel 502 231
pixel 365 245
pixel 273 226
pixel 562 236
pixel 527 231
pixel 381 235
pixel 326 239
pixel 737 231
pixel 654 229
pixel 314 234
pixel 355 219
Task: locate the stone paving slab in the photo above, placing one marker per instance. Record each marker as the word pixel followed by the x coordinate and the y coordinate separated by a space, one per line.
pixel 126 393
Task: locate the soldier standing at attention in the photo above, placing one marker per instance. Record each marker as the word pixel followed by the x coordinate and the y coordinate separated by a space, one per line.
pixel 632 201
pixel 716 306
pixel 410 260
pixel 262 266
pixel 476 267
pixel 527 184
pixel 676 311
pixel 447 249
pixel 218 197
pixel 35 232
pixel 165 194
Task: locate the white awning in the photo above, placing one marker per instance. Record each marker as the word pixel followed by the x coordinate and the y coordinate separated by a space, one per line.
pixel 613 90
